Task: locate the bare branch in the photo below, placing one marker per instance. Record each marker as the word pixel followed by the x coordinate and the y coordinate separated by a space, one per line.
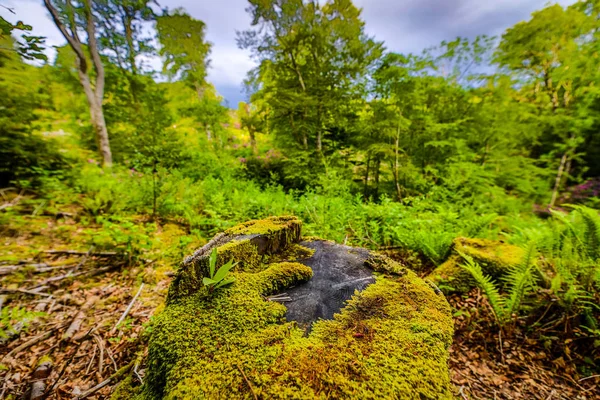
pixel 93 48
pixel 72 40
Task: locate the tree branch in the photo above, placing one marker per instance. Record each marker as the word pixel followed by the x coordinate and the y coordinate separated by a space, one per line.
pixel 72 40
pixel 93 48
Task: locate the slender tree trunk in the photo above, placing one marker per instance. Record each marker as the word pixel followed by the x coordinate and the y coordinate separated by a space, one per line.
pixel 559 175
pixel 366 187
pixel 396 163
pixel 99 124
pixel 319 131
pixel 377 167
pixel 253 140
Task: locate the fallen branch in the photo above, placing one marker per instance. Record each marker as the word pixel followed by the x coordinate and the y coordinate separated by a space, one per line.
pixel 68 275
pixel 13 202
pixel 41 373
pixel 83 253
pixel 114 329
pixel 101 355
pixel 87 370
pixel 9 269
pixel 24 291
pixel 31 342
pixel 83 260
pixel 114 377
pixel 78 320
pixel 41 306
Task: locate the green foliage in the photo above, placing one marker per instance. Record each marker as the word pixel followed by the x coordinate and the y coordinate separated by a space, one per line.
pixel 183 47
pixel 29 47
pixel 14 320
pixel 220 277
pixel 122 235
pixel 26 157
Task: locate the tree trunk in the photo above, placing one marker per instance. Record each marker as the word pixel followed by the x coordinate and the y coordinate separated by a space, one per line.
pixel 319 131
pixel 559 175
pixel 253 140
pixel 377 167
pixel 396 164
pixel 366 187
pixel 94 95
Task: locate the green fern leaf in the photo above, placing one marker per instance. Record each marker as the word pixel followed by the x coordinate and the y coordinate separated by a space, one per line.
pixel 489 288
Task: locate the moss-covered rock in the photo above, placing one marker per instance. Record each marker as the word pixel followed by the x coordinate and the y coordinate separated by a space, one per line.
pixel 390 341
pixel 494 257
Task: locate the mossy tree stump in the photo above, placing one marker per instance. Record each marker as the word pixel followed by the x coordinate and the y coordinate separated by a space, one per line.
pixel 389 340
pixel 494 257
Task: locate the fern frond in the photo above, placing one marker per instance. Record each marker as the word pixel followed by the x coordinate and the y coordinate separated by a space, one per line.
pixel 488 286
pixel 571 228
pixel 591 219
pixel 521 279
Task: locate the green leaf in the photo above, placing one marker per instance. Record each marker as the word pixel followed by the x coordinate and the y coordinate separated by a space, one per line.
pixel 208 281
pixel 212 261
pixel 224 270
pixel 225 282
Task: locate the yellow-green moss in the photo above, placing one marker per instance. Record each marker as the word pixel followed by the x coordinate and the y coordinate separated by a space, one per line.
pixel 125 390
pixel 390 341
pixel 494 257
pixel 281 231
pixel 293 252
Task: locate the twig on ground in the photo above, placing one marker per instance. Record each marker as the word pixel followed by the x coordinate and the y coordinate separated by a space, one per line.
pixel 83 260
pixel 41 306
pixel 41 267
pixel 589 377
pixel 114 329
pixel 112 358
pixel 247 382
pixel 117 375
pixel 31 342
pixel 13 202
pixel 83 253
pixel 70 275
pixel 24 291
pixel 101 355
pixel 78 320
pixel 89 366
pixel 135 371
pixel 501 346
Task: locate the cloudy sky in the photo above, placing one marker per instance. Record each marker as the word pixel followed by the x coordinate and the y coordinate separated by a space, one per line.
pixel 404 26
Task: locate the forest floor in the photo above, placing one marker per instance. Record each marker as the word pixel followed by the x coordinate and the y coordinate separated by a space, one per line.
pixel 72 345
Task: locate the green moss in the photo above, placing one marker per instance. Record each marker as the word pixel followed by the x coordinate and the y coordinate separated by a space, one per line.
pixel 390 341
pixel 125 390
pixel 293 252
pixel 281 231
pixel 494 257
